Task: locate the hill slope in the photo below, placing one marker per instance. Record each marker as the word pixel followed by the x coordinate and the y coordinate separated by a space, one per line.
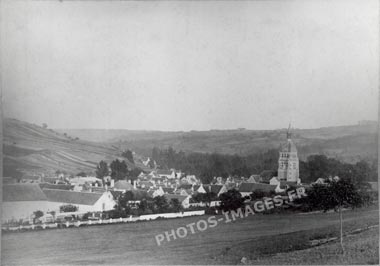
pixel 348 143
pixel 29 148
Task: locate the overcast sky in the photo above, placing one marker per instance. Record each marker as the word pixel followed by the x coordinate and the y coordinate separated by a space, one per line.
pixel 190 65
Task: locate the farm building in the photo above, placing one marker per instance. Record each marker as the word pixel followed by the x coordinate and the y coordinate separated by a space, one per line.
pixel 85 201
pixel 21 200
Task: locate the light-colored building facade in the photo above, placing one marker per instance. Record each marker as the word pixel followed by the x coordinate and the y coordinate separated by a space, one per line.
pixel 288 163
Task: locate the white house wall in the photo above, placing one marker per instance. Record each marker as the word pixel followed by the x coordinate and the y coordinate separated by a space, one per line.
pixel 22 209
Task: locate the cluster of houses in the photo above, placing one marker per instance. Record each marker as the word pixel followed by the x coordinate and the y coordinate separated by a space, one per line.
pixel 91 194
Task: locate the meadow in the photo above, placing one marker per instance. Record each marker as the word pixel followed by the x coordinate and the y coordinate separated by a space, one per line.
pixel 121 244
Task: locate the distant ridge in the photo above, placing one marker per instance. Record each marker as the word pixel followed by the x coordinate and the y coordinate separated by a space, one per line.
pixel 349 143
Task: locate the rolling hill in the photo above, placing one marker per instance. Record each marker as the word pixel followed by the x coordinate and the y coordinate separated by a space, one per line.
pixel 347 143
pixel 28 149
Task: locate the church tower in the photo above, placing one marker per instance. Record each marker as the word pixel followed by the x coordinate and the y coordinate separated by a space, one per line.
pixel 288 163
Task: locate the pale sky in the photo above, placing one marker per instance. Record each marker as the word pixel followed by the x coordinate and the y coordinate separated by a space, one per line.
pixel 190 65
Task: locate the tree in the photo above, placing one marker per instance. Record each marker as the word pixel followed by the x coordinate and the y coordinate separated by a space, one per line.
pixel 129 155
pixel 231 200
pixel 161 205
pixel 82 174
pixel 119 169
pixel 259 194
pixel 102 170
pixel 175 205
pixel 337 195
pixel 134 173
pixel 37 214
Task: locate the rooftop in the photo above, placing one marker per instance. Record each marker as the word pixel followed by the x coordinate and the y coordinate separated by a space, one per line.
pixel 72 197
pixel 23 192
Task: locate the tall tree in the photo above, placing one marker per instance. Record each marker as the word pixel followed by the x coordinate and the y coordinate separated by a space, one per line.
pixel 119 169
pixel 129 155
pixel 102 170
pixel 337 195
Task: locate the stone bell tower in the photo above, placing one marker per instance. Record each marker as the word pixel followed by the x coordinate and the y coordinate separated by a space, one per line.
pixel 288 163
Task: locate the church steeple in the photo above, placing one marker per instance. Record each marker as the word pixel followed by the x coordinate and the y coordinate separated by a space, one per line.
pixel 288 133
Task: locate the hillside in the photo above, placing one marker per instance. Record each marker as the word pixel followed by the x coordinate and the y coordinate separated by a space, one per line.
pixel 32 149
pixel 348 143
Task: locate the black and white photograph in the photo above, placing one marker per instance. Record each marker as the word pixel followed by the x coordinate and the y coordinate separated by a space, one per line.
pixel 189 132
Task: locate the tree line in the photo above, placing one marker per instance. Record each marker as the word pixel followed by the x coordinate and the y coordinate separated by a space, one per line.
pixel 209 165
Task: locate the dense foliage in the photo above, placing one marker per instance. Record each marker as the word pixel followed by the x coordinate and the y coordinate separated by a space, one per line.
pixel 102 170
pixel 129 155
pixel 127 204
pixel 231 200
pixel 68 208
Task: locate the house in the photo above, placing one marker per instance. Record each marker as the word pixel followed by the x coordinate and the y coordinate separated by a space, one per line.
pixel 85 180
pixel 254 179
pixel 199 188
pixel 246 189
pixel 21 200
pixel 170 174
pixel 146 184
pixel 168 190
pixel 217 189
pixel 274 181
pixel 156 192
pixel 189 179
pixel 320 181
pixel 123 185
pixel 266 176
pixel 184 200
pixel 85 201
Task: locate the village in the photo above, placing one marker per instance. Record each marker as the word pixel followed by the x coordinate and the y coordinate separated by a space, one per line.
pixel 41 200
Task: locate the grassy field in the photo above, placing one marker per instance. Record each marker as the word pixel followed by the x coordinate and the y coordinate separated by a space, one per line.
pixel 254 237
pixel 360 249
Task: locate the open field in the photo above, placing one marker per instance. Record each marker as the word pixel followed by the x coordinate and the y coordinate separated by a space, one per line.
pixel 135 243
pixel 362 249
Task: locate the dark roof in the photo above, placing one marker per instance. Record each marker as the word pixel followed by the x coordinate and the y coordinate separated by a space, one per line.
pixel 250 187
pixel 289 183
pixel 196 187
pixel 140 194
pixel 59 186
pixel 123 184
pixel 168 189
pixel 116 194
pixel 267 175
pixel 180 198
pixel 213 188
pixel 72 197
pixel 23 192
pixel 254 179
pixel 185 186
